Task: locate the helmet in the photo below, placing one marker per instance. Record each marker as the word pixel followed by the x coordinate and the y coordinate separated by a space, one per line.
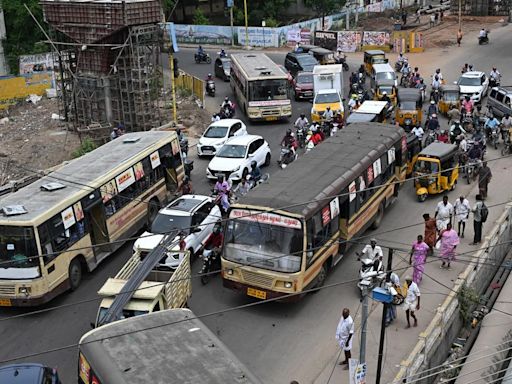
pixel 209 75
pixel 432 102
pixel 438 70
pixel 434 115
pixel 384 93
pixel 248 177
pixel 302 115
pixel 253 164
pixel 292 134
pixel 226 98
pixel 436 77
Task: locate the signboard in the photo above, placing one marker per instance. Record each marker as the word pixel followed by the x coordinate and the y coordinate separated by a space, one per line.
pixel 155 159
pixel 357 372
pixel 266 218
pixel 326 39
pixel 139 170
pixel 349 41
pixel 68 218
pixel 268 103
pixel 41 62
pixel 293 36
pixel 125 179
pixel 79 212
pixel 352 191
pixel 108 190
pixel 404 144
pixel 370 176
pixel 334 205
pixel 326 216
pixel 391 155
pixel 377 168
pixel 84 369
pixel 258 36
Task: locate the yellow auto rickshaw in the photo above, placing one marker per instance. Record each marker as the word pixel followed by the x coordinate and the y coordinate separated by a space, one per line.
pixel 450 95
pixel 413 150
pixel 323 55
pixel 387 86
pixel 373 56
pixel 436 169
pixel 408 112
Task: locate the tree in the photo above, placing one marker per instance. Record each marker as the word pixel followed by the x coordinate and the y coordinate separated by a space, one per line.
pixel 200 18
pixel 23 36
pixel 324 7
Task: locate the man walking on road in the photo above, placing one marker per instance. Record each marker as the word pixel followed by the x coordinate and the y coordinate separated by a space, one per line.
pixel 444 213
pixel 461 209
pixel 412 301
pixel 344 333
pixel 477 220
pixel 484 178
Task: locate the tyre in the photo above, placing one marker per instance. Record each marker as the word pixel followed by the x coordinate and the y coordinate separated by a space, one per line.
pixel 205 279
pixel 267 160
pixel 378 219
pixel 320 279
pixel 75 274
pixel 208 60
pixel 422 197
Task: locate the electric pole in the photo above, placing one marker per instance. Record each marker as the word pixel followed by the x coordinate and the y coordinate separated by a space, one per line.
pixel 364 321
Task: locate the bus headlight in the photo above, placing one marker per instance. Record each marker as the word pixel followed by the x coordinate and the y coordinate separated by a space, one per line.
pixel 24 290
pixel 287 284
pixel 229 271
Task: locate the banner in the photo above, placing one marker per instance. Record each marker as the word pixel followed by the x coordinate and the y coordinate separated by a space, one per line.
pixel 349 41
pixel 375 7
pixel 326 39
pixel 42 62
pixel 375 38
pixel 258 36
pixel 203 34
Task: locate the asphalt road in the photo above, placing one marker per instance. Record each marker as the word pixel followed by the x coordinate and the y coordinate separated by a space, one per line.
pixel 278 342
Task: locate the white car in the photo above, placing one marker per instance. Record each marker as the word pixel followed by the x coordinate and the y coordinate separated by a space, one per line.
pixel 235 157
pixel 217 134
pixel 193 215
pixel 473 84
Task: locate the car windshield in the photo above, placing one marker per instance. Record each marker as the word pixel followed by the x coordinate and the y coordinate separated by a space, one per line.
pixel 232 151
pixel 426 167
pixel 227 65
pixel 307 61
pixel 216 132
pixel 407 105
pixel 305 79
pixel 327 98
pixel 469 81
pixel 127 313
pixel 167 223
pixel 379 60
pixel 18 249
pixel 451 96
pixel 271 89
pixel 262 245
pixel 385 76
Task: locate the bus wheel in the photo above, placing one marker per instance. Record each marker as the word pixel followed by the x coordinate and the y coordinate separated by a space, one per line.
pixel 75 274
pixel 378 219
pixel 320 279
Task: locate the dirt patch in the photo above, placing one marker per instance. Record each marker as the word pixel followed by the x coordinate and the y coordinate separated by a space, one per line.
pixel 192 117
pixel 32 140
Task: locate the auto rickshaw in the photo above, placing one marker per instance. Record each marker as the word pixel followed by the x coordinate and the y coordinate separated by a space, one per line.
pixel 436 169
pixel 387 86
pixel 450 95
pixel 323 55
pixel 413 150
pixel 408 113
pixel 373 56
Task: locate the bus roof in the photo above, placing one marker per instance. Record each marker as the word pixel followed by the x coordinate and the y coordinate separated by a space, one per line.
pixel 80 175
pixel 257 65
pixel 326 170
pixel 169 346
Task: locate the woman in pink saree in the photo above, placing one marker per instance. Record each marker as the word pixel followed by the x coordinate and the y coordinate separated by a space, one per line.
pixel 449 241
pixel 417 258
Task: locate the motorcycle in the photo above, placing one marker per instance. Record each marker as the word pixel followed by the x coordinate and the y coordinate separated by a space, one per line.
pixel 430 137
pixel 455 131
pixel 507 146
pixel 399 65
pixel 227 112
pixel 434 95
pixel 471 169
pixel 211 264
pixel 202 58
pixel 301 136
pixel 493 82
pixel 371 274
pixel 483 39
pixel 210 88
pixel 287 156
pixel 405 80
pixel 493 137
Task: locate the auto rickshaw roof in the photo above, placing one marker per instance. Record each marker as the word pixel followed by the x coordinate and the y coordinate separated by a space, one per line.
pixel 450 88
pixel 372 106
pixel 308 47
pixel 411 138
pixel 374 52
pixel 439 150
pixel 409 94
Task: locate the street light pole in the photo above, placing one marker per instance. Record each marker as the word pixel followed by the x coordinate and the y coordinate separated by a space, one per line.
pixel 246 26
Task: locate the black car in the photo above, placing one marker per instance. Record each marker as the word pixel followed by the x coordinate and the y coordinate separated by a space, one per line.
pixel 299 62
pixel 28 374
pixel 222 68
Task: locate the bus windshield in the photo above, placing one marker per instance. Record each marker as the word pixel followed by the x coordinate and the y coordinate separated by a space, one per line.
pixel 18 250
pixel 271 89
pixel 263 245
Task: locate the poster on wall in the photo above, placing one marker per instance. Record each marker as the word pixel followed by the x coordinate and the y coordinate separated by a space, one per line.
pixel 258 36
pixel 203 34
pixel 375 7
pixel 349 41
pixel 41 62
pixel 326 39
pixel 375 38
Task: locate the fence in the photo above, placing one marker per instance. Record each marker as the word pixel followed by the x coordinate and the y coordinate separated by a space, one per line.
pixel 191 83
pixel 434 343
pixel 20 87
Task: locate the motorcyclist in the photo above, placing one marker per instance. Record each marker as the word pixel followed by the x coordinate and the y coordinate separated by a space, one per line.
pixel 465 68
pixel 222 188
pixel 352 102
pixel 506 125
pixel 483 33
pixel 467 104
pixel 418 131
pixel 209 77
pixel 223 53
pixel 339 56
pixel 433 123
pixel 215 117
pixel 255 173
pixel 475 152
pixel 491 125
pixel 436 83
pixel 494 76
pixel 200 52
pixel 454 114
pixel 354 78
pixel 439 74
pixel 327 115
pixel 186 187
pixel 301 122
pixel 401 61
pixel 373 252
pixel 287 139
pixel 443 136
pixel 385 97
pixel 227 104
pixel 405 71
pixel 214 242
pixel 432 108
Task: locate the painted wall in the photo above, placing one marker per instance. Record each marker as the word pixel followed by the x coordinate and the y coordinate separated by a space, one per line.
pixel 20 87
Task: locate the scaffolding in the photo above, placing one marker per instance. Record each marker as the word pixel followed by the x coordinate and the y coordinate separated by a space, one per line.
pixel 481 7
pixel 110 62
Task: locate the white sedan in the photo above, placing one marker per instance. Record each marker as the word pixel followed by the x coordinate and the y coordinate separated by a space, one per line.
pixel 217 134
pixel 473 84
pixel 234 158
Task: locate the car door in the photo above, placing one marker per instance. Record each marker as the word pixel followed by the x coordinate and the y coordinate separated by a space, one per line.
pixel 209 214
pixel 485 84
pixel 198 230
pixel 259 152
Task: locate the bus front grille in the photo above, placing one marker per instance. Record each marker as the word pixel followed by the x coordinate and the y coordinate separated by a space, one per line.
pixel 270 112
pixel 257 279
pixel 7 290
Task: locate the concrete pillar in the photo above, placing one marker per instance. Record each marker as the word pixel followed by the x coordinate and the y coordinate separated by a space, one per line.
pixel 108 98
pixel 4 68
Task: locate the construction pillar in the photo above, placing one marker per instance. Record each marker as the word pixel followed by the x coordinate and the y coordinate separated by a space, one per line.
pixel 173 86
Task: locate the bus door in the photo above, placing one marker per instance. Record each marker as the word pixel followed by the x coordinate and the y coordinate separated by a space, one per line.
pixel 94 211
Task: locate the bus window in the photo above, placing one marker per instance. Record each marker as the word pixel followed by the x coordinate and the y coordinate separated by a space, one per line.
pixel 17 245
pixel 55 238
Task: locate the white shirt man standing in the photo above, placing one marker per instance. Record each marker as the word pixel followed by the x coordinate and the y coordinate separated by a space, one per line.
pixel 444 213
pixel 461 209
pixel 344 333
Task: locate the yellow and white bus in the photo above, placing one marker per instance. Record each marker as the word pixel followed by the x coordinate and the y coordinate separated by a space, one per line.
pixel 67 222
pixel 284 236
pixel 261 87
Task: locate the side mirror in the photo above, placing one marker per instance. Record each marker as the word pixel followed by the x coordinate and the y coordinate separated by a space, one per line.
pixel 92 325
pixel 196 230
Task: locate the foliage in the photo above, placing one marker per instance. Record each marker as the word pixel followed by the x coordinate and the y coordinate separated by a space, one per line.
pixel 87 145
pixel 168 6
pixel 22 33
pixel 468 298
pixel 200 18
pixel 271 23
pixel 258 10
pixel 324 7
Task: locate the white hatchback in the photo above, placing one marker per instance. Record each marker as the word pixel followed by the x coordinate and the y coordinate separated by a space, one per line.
pixel 217 134
pixel 473 84
pixel 234 158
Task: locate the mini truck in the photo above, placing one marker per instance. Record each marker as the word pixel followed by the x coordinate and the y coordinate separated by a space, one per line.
pixel 328 88
pixel 162 289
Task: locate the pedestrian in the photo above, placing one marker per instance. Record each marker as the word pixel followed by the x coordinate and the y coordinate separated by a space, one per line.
pixel 412 301
pixel 449 241
pixel 477 220
pixel 436 17
pixel 441 15
pixel 114 134
pixel 344 333
pixel 459 37
pixel 461 210
pixel 430 231
pixel 444 213
pixel 418 16
pixel 391 309
pixel 417 258
pixel 484 178
pixel 432 20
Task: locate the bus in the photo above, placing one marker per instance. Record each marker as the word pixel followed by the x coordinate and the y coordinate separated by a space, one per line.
pixel 285 236
pixel 66 223
pixel 260 86
pixel 170 346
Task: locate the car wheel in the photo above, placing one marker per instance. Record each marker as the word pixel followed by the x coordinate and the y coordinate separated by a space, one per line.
pixel 267 160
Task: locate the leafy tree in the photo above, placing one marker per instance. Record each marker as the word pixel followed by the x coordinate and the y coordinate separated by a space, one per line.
pixel 22 33
pixel 259 10
pixel 324 7
pixel 200 18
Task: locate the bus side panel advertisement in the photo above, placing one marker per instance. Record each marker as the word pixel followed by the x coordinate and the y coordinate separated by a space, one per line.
pixel 109 190
pixel 68 218
pixel 155 159
pixel 84 369
pixel 266 218
pixel 335 207
pixel 125 179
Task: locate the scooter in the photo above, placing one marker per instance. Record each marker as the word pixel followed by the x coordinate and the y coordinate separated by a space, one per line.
pixel 202 58
pixel 227 112
pixel 301 134
pixel 371 274
pixel 287 156
pixel 483 39
pixel 210 88
pixel 211 264
pixel 434 95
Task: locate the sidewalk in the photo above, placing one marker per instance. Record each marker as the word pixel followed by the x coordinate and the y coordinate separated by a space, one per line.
pixel 399 341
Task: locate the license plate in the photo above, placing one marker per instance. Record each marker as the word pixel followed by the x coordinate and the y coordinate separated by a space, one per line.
pixel 256 293
pixel 308 93
pixel 7 302
pixel 271 118
pixel 207 152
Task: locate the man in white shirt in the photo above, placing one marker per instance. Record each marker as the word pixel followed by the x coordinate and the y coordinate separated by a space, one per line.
pixel 418 131
pixel 412 301
pixel 372 251
pixel 444 213
pixel 461 209
pixel 344 333
pixel 463 144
